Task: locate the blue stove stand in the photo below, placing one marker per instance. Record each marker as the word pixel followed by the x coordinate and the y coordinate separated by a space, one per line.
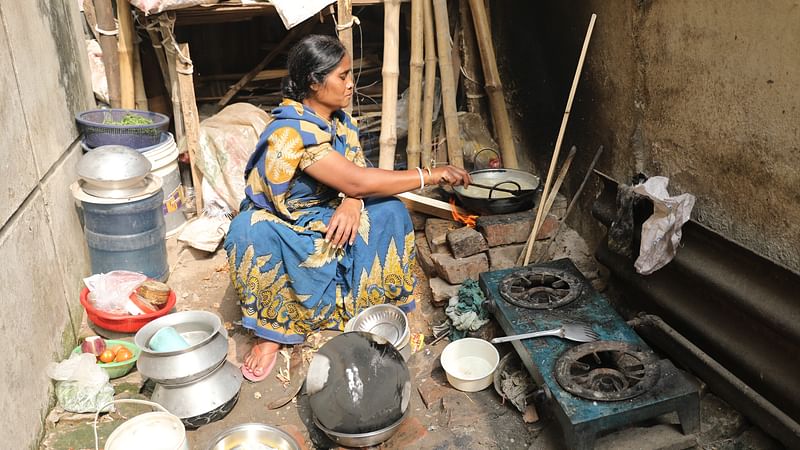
pixel 581 419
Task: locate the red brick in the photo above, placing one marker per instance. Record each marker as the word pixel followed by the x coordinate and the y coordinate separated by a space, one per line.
pixel 504 229
pixel 548 228
pixel 424 255
pixel 504 256
pixel 442 291
pixel 436 233
pixel 455 271
pixel 418 219
pixel 465 241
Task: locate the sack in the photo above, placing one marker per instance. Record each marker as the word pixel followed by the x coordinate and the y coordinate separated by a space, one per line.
pixel 81 385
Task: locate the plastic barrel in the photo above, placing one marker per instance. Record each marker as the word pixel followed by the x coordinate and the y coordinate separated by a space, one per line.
pixel 128 235
pixel 164 158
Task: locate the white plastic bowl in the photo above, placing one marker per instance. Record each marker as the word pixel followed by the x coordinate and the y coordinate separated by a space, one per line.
pixel 470 364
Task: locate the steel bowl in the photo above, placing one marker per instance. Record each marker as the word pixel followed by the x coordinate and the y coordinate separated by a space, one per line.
pixel 201 396
pixel 255 436
pixel 112 167
pixel 363 439
pixel 387 321
pixel 208 347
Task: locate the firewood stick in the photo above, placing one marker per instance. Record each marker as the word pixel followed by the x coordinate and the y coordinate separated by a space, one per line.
pixel 547 204
pixel 554 159
pixel 571 203
pixel 430 84
pixel 344 11
pixel 390 74
pixel 494 86
pixel 415 83
pixel 454 150
pixel 108 43
pixel 125 48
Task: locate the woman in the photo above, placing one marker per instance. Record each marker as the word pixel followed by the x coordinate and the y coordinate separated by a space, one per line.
pixel 319 237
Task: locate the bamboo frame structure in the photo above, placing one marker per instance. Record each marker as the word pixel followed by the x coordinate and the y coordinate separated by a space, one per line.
pixel 415 83
pixel 108 43
pixel 494 87
pixel 454 150
pixel 554 159
pixel 430 84
pixel 344 10
pixel 125 49
pixel 390 74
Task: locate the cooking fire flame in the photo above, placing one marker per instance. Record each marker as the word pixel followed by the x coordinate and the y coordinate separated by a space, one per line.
pixel 466 219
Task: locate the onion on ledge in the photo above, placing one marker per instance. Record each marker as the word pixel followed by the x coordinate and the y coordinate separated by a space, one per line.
pixel 94 345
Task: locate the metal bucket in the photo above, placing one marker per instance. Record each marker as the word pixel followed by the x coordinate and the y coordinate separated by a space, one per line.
pixel 153 431
pixel 125 234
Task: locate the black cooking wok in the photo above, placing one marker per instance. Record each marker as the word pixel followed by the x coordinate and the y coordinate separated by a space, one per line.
pixel 491 201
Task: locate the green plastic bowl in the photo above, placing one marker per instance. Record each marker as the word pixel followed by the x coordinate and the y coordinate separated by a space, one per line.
pixel 117 369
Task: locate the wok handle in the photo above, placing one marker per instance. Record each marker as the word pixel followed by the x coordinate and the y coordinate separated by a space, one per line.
pixel 517 337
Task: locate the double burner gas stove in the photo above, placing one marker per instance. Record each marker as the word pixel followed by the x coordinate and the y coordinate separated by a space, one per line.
pixel 591 387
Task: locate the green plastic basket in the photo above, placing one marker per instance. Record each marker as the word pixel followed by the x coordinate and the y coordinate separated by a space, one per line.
pixel 117 369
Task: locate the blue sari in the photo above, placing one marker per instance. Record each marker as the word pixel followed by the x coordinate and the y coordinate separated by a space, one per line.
pixel 290 282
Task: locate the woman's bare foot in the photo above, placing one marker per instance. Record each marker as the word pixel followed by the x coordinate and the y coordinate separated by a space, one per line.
pixel 261 357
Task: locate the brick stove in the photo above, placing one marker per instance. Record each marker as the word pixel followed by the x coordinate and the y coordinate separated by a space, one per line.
pixel 593 387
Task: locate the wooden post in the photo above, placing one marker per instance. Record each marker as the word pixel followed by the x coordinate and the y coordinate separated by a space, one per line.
pixel 91 18
pixel 454 151
pixel 191 121
pixel 473 79
pixel 390 74
pixel 108 43
pixel 290 38
pixel 344 9
pixel 430 84
pixel 494 87
pixel 168 41
pixel 415 83
pixel 128 96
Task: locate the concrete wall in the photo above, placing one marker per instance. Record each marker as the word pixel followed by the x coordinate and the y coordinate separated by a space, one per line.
pixel 44 81
pixel 701 92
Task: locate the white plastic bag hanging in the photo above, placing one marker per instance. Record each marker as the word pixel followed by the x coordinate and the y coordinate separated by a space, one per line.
pixel 293 12
pixel 661 233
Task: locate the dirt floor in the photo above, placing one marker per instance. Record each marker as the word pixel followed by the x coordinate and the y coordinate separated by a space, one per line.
pixel 441 417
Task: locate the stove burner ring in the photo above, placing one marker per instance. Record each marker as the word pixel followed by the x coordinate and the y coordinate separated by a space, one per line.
pixel 540 288
pixel 607 370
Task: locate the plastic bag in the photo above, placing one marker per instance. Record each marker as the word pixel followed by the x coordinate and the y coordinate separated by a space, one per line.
pixel 110 292
pixel 661 233
pixel 293 12
pixel 157 6
pixel 81 385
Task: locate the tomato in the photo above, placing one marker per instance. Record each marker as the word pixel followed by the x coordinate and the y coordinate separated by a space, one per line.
pixel 107 356
pixel 123 355
pixel 116 348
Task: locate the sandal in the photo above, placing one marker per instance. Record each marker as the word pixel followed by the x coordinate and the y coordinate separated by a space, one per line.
pixel 248 374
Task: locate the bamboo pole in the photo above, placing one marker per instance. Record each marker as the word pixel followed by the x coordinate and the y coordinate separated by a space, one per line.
pixel 473 79
pixel 454 151
pixel 415 83
pixel 158 49
pixel 108 43
pixel 344 9
pixel 191 120
pixel 494 87
pixel 91 18
pixel 140 94
pixel 430 84
pixel 290 38
pixel 390 74
pixel 125 46
pixel 564 121
pixel 168 41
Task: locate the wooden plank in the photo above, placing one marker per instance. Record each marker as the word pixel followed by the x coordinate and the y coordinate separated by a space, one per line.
pixel 430 206
pixel 191 122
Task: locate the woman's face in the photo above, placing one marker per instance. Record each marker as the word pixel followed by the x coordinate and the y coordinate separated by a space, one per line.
pixel 336 90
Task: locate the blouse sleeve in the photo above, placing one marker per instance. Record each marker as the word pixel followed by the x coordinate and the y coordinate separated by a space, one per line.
pixel 314 153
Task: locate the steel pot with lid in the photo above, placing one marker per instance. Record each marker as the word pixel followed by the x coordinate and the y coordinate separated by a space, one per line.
pixel 111 169
pixel 208 347
pixel 487 201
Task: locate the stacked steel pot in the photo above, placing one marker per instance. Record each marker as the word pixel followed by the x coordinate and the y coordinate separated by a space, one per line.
pixel 196 384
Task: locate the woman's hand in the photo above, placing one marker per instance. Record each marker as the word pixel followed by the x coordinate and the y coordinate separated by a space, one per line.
pixel 451 175
pixel 344 223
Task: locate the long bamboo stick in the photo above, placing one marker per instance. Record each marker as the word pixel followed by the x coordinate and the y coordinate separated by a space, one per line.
pixel 415 83
pixel 454 151
pixel 494 87
pixel 564 121
pixel 166 23
pixel 191 120
pixel 430 84
pixel 344 10
pixel 108 43
pixel 390 74
pixel 140 95
pixel 158 49
pixel 125 45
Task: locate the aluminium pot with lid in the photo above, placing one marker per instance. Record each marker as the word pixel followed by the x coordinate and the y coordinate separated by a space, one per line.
pixel 113 171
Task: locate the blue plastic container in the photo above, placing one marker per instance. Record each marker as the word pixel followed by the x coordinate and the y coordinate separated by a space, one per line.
pixel 128 235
